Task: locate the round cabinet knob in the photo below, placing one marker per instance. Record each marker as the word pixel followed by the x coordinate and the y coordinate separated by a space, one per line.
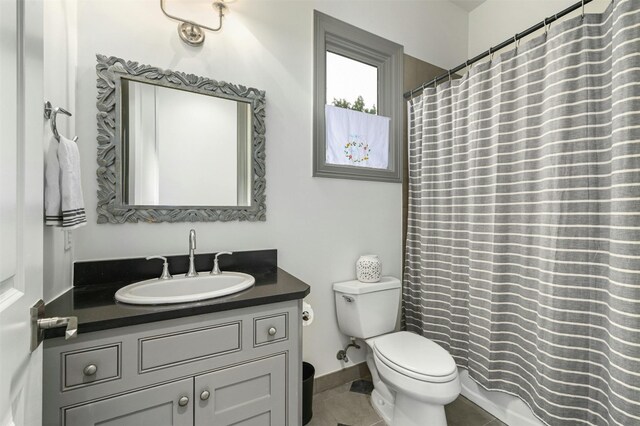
pixel 205 395
pixel 90 370
pixel 183 401
pixel 272 331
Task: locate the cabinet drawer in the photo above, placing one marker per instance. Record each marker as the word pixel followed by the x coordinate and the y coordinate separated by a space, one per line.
pixel 188 346
pixel 159 405
pixel 274 328
pixel 90 366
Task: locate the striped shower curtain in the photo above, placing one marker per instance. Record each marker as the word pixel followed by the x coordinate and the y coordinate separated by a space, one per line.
pixel 523 245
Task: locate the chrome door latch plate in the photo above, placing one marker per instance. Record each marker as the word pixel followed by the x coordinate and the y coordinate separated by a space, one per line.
pixel 39 323
pixel 37 334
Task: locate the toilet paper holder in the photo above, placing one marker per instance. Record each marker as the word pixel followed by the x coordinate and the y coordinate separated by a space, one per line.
pixel 307 314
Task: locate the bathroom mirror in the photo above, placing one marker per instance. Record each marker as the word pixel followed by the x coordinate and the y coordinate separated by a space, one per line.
pixel 175 147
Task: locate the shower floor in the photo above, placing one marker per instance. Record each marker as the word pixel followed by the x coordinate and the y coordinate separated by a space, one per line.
pixel 350 405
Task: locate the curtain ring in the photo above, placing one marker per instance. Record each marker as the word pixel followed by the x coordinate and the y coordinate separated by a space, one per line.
pixel 435 82
pixel 490 54
pixel 516 42
pixel 544 22
pixel 583 9
pixel 449 72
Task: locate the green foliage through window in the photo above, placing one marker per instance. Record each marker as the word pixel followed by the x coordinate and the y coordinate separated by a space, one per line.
pixel 358 105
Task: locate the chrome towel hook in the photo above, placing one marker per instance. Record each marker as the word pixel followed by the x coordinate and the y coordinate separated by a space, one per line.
pixel 50 114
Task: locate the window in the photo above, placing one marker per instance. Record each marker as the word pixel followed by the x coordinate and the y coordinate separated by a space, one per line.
pixel 348 81
pixel 358 78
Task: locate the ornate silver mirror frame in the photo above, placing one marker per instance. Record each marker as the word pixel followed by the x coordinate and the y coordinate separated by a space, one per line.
pixel 110 208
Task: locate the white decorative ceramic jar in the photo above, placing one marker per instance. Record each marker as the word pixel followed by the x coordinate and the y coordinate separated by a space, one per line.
pixel 368 268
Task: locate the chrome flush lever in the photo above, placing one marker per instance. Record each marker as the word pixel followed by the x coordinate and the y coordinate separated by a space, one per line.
pixel 39 323
pixel 216 267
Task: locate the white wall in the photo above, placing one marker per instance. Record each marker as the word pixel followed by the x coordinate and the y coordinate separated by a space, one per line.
pixel 319 226
pixel 60 51
pixel 494 21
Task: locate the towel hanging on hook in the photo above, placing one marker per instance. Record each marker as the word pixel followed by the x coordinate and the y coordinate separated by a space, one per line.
pixel 50 114
pixel 63 199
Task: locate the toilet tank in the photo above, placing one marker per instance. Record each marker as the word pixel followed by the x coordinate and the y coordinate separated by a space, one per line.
pixel 367 309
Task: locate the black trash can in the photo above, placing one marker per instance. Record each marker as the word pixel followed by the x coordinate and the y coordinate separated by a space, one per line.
pixel 308 371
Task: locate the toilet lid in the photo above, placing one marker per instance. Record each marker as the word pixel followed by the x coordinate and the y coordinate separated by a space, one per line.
pixel 415 356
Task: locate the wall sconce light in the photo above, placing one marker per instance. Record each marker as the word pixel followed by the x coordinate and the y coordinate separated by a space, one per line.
pixel 192 33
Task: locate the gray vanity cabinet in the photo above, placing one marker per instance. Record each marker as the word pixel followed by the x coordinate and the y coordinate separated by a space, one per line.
pixel 240 367
pixel 158 405
pixel 248 394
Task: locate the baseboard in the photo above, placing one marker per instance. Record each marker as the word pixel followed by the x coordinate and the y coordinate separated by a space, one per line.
pixel 340 377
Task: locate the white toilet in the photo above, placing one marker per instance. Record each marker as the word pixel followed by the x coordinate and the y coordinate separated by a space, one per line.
pixel 413 377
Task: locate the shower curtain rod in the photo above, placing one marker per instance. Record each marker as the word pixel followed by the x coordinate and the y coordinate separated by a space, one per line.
pixel 514 39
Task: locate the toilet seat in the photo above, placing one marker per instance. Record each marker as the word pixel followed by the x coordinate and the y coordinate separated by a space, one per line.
pixel 415 356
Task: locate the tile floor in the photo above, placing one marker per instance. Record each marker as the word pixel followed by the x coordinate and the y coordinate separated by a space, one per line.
pixel 350 405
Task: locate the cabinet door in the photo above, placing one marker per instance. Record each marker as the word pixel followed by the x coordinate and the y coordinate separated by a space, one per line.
pixel 157 406
pixel 251 394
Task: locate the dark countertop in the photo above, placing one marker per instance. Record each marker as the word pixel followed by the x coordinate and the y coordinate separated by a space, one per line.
pixel 96 308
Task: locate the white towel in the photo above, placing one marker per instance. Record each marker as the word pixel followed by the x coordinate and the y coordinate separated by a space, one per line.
pixel 64 204
pixel 356 138
pixel 52 201
pixel 73 214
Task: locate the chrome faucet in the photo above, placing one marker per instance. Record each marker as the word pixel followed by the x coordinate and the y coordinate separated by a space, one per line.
pixel 192 247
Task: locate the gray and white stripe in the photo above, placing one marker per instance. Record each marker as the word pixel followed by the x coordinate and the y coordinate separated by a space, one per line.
pixel 523 244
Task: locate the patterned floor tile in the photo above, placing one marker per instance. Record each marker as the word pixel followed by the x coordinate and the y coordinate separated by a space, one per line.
pixel 339 406
pixel 362 386
pixel 350 405
pixel 463 412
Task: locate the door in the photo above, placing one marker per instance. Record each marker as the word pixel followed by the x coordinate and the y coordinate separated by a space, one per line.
pixel 165 405
pixel 250 394
pixel 21 208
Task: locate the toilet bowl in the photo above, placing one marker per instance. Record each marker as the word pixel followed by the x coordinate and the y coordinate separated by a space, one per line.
pixel 413 377
pixel 421 374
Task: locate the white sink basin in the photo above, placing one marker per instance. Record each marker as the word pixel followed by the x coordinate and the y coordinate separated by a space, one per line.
pixel 181 290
